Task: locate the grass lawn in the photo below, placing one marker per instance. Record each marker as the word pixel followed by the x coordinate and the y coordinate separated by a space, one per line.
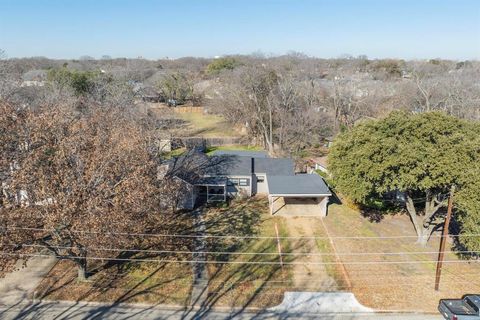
pixel 154 283
pixel 240 285
pixel 333 270
pixel 211 150
pixel 250 284
pixel 396 286
pixel 174 153
pixel 206 125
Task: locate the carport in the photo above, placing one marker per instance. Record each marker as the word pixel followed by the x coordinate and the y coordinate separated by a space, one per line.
pixel 298 195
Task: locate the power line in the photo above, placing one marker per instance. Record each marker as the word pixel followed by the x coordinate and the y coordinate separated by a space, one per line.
pixel 239 262
pixel 240 237
pixel 286 287
pixel 242 253
pixel 427 277
pixel 356 276
pixel 292 282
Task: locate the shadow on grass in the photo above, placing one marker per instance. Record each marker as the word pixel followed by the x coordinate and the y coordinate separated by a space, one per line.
pixel 242 281
pixel 376 211
pixel 237 286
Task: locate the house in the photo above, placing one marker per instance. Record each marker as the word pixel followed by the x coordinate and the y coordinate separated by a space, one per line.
pixel 228 174
pixel 34 78
pixel 319 163
pixel 145 93
pixel 328 142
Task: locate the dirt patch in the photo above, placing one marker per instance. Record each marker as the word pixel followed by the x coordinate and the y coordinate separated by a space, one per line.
pixel 308 273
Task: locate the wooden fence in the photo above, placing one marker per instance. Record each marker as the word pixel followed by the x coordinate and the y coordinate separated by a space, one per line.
pixel 204 142
pixel 224 141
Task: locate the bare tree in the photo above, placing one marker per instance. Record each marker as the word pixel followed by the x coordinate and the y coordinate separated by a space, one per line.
pixel 9 80
pixel 247 98
pixel 283 113
pixel 81 182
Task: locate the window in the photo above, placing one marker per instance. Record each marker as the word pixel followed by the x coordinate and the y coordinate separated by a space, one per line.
pixel 260 179
pixel 233 182
pixel 243 182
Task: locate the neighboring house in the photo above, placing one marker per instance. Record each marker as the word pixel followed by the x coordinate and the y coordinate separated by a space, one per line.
pixel 34 78
pixel 228 174
pixel 406 74
pixel 328 142
pixel 32 83
pixel 319 163
pixel 146 93
pixel 28 96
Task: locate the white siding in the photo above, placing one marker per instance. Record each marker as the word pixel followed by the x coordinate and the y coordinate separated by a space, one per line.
pixel 261 187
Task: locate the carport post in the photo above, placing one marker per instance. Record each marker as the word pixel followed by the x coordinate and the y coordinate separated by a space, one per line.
pixel 322 203
pixel 270 204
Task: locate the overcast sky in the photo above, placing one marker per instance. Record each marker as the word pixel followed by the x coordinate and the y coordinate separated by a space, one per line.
pixel 409 29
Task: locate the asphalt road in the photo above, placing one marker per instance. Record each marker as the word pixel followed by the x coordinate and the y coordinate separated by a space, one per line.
pixel 85 310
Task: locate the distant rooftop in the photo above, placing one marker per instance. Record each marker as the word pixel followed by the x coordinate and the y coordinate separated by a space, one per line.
pixel 300 184
pixel 323 161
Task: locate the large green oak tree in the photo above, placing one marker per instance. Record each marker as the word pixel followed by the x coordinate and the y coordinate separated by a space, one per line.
pixel 421 156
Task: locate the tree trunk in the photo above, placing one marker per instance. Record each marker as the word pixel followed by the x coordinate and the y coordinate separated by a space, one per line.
pixel 270 147
pixel 270 128
pixel 422 232
pixel 423 225
pixel 422 236
pixel 81 269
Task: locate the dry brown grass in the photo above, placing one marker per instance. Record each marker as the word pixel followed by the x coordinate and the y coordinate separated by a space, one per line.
pixel 198 124
pixel 247 285
pixel 238 285
pixel 406 286
pixel 153 283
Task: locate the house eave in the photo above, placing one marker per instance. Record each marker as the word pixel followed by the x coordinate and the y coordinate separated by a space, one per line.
pixel 301 195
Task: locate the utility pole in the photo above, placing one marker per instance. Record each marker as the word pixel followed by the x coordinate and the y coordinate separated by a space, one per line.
pixel 443 239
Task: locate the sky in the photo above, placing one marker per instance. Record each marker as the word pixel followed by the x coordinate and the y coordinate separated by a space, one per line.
pixel 153 29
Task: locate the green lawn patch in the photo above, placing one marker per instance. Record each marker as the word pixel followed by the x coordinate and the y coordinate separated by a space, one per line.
pixel 211 150
pixel 174 153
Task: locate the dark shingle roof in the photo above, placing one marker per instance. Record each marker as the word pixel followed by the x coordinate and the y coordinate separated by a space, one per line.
pixel 274 166
pixel 212 181
pixel 231 165
pixel 300 184
pixel 243 166
pixel 197 163
pixel 190 166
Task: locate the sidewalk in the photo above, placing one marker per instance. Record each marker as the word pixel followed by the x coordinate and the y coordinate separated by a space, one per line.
pixel 17 285
pixel 92 310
